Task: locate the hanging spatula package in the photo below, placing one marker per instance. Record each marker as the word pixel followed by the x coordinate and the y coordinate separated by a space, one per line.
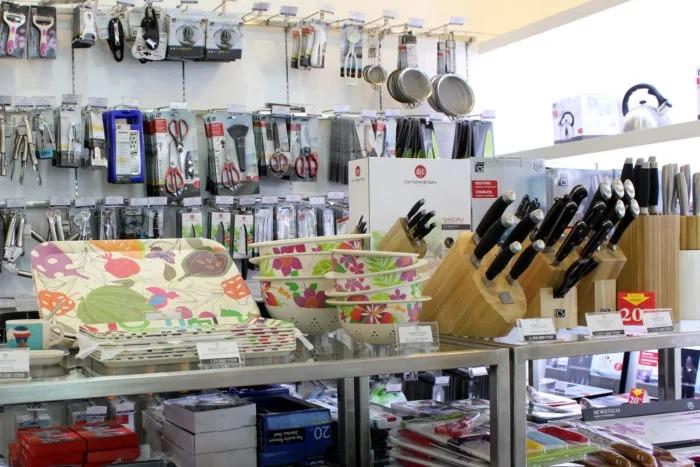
pixel 224 42
pixel 41 36
pixel 13 29
pixel 186 36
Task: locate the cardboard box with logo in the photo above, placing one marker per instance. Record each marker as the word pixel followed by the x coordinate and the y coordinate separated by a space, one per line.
pixel 384 189
pixel 585 116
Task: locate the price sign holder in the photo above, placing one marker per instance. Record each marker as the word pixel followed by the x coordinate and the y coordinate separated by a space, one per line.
pixel 219 354
pixel 14 365
pixel 657 320
pixel 605 324
pixel 414 338
pixel 537 329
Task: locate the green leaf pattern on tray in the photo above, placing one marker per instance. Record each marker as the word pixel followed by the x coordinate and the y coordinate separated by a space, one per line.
pixel 380 263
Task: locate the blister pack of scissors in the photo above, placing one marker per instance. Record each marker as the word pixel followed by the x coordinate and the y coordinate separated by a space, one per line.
pixel 171 150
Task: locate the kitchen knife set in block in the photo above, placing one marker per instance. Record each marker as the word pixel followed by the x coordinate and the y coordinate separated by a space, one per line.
pixel 408 233
pixel 475 292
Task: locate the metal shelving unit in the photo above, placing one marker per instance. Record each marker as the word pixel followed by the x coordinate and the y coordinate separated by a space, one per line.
pixel 331 360
pixel 572 343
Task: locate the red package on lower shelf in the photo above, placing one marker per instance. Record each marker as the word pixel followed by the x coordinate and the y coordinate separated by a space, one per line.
pixel 48 442
pixel 73 459
pixel 112 455
pixel 15 454
pixel 107 436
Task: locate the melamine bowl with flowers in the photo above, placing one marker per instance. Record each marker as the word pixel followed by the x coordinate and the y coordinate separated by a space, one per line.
pixel 312 244
pixel 375 280
pixel 362 262
pixel 407 291
pixel 374 322
pixel 302 301
pixel 293 265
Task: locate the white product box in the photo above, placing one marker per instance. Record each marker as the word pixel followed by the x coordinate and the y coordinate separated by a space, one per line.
pixel 175 411
pixel 492 177
pixel 214 441
pixel 585 116
pixel 237 457
pixel 152 424
pixel 384 189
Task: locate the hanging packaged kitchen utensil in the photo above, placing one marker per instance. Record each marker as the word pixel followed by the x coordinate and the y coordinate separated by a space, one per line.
pixel 230 142
pixel 84 31
pixel 125 146
pixel 278 160
pixel 95 140
pixel 263 228
pixel 186 36
pixel 107 220
pixel 220 225
pixel 131 222
pixel 190 222
pixel 374 73
pixel 473 138
pixel 303 136
pixel 42 121
pixel 151 39
pixel 243 229
pixel 13 29
pixel 317 52
pixel 82 216
pixel 351 53
pixel 41 35
pixel 69 135
pixel 344 146
pixel 307 221
pixel 285 221
pixel 155 221
pixel 644 116
pixel 224 40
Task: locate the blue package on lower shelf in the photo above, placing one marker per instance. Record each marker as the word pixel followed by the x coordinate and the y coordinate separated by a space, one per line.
pixel 255 393
pixel 293 431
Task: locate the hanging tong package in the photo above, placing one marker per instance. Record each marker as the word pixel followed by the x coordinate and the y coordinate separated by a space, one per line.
pixel 41 37
pixel 186 36
pixel 125 145
pixel 224 40
pixel 146 25
pixel 69 134
pixel 351 54
pixel 173 160
pixel 13 29
pixel 84 30
pixel 231 146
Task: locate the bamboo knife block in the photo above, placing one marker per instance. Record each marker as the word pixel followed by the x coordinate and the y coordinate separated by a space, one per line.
pixel 689 268
pixel 652 247
pixel 398 239
pixel 597 292
pixel 538 282
pixel 462 304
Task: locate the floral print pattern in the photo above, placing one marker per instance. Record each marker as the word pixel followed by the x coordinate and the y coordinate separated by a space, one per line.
pixel 349 263
pixel 297 293
pixel 311 298
pixel 100 281
pixel 379 313
pixel 313 245
pixel 287 265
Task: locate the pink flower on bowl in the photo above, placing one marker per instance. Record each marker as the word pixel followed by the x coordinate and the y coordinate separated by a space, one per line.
pixel 409 276
pixel 403 261
pixel 353 285
pixel 286 264
pixel 289 249
pixel 311 298
pixel 371 314
pixel 397 295
pixel 413 310
pixel 357 268
pixel 358 298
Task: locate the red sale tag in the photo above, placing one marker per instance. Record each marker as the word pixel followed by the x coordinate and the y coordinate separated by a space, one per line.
pixel 636 396
pixel 484 189
pixel 631 305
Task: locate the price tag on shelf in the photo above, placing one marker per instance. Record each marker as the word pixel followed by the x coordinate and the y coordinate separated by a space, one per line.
pixel 390 14
pixel 96 410
pixel 247 201
pixel 59 201
pixel 456 20
pixel 219 353
pixel 71 99
pixel 114 201
pixel 15 203
pixel 45 102
pixel 223 200
pixel 442 380
pixel 14 364
pixel 341 108
pixel 317 200
pixel 336 195
pixel 5 101
pixel 130 103
pixel 261 6
pixel 605 324
pixel 98 102
pixel 293 198
pixel 288 10
pixel 416 22
pixel 138 202
pixel 394 387
pixel 23 101
pixel 328 8
pixel 392 112
pixel 159 200
pixel 84 202
pixel 193 201
pixel 178 105
pixel 279 109
pixel 421 337
pixel 126 2
pixel 367 113
pixel 358 16
pixel 235 108
pixel 631 305
pixel 637 396
pixel 269 199
pixel 537 329
pixel 561 386
pixel 658 320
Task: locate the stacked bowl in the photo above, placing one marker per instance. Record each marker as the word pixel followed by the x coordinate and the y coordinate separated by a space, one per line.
pixel 292 279
pixel 375 290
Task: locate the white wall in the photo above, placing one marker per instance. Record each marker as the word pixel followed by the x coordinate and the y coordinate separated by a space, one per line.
pixel 638 41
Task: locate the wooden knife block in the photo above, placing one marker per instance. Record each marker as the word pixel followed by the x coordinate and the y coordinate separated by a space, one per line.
pixel 397 239
pixel 597 292
pixel 462 304
pixel 689 268
pixel 538 282
pixel 652 247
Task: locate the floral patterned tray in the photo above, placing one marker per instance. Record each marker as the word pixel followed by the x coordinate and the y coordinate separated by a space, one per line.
pixel 114 281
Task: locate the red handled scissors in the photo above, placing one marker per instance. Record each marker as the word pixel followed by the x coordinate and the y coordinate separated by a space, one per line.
pixel 306 165
pixel 174 180
pixel 230 176
pixel 279 164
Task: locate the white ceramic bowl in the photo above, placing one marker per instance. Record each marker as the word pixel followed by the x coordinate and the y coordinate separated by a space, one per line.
pixel 301 301
pixel 312 244
pixel 365 262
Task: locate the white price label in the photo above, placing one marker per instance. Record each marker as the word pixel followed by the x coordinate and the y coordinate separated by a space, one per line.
pixel 392 112
pixel 658 320
pixel 23 101
pixel 126 2
pixel 390 14
pixel 223 353
pixel 178 105
pixel 288 10
pixel 98 102
pixel 336 195
pixel 14 364
pixel 15 203
pixel 442 380
pixel 293 198
pixel 394 387
pixel 157 201
pixel 415 22
pixel 138 202
pixel 96 410
pixel 277 109
pixel 248 201
pixel 358 16
pixel 488 113
pixel 269 199
pixel 367 113
pixel 415 334
pixel 327 8
pixel 114 200
pixel 605 324
pixel 341 108
pixel 45 101
pixel 70 99
pixel 131 102
pixel 561 386
pixel 317 200
pixel 5 100
pixel 83 202
pixel 456 20
pixel 235 108
pixel 193 201
pixel 261 6
pixel 223 200
pixel 59 201
pixel 537 329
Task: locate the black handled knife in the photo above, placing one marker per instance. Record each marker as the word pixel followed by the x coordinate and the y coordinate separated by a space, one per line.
pixel 549 221
pixel 603 193
pixel 637 169
pixel 565 218
pixel 574 275
pixel 596 240
pixel 630 192
pixel 523 228
pixel 628 170
pixel 501 261
pixel 576 236
pixel 424 232
pixel 491 237
pixel 653 186
pixel 594 215
pixel 643 188
pixel 577 194
pixel 494 212
pixel 523 208
pixel 413 221
pixel 414 209
pixel 524 260
pixel 630 215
